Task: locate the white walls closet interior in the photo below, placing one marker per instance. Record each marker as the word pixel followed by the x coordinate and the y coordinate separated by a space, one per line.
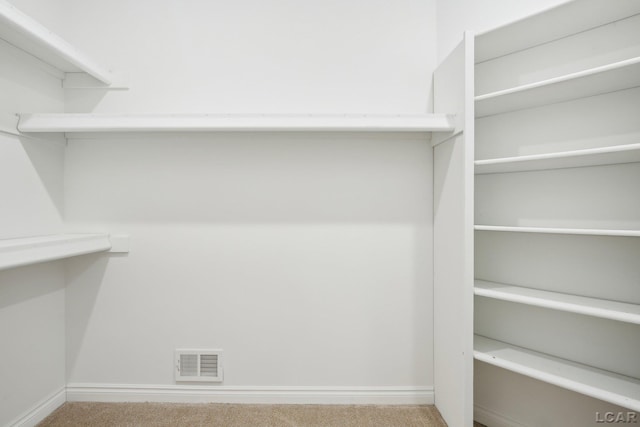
pixel 320 189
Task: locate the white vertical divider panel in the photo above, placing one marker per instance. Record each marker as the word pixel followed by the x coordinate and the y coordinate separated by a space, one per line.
pixel 453 238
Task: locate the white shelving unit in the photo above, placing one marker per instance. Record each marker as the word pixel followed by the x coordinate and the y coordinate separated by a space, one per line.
pixel 549 230
pixel 210 122
pixel 595 81
pixel 614 310
pixel 453 238
pixel 541 106
pixel 558 22
pixel 28 35
pixel 617 154
pixel 607 386
pixel 32 250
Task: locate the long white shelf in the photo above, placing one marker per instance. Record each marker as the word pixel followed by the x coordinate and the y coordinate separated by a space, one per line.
pixel 617 154
pixel 32 250
pixel 558 22
pixel 607 78
pixel 613 310
pixel 550 230
pixel 212 122
pixel 23 32
pixel 607 386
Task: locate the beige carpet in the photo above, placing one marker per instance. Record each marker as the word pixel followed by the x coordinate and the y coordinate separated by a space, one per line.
pixel 228 415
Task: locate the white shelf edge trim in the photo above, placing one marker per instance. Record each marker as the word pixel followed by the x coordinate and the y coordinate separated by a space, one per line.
pixel 26 28
pixel 617 154
pixel 561 79
pixel 597 383
pixel 32 250
pixel 547 230
pixel 210 122
pixel 612 310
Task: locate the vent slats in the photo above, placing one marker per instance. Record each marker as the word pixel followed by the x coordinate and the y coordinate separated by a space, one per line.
pixel 189 365
pixel 209 365
pixel 198 365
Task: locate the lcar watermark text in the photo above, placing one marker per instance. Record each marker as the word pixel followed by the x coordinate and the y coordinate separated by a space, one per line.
pixel 617 417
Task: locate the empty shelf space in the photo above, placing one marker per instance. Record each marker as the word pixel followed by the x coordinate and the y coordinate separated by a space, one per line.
pixel 26 34
pixel 566 159
pixel 211 122
pixel 613 310
pixel 558 22
pixel 597 383
pixel 32 250
pixel 608 78
pixel 550 230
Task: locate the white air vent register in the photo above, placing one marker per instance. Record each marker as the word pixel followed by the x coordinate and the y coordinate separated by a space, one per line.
pixel 198 365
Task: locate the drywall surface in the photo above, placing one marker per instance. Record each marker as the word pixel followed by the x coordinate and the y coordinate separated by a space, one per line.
pixel 258 56
pixel 457 16
pixel 305 257
pixel 32 321
pixel 32 332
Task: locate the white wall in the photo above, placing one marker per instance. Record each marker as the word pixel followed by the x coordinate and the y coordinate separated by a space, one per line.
pixel 306 257
pixel 255 56
pixel 456 16
pixel 32 301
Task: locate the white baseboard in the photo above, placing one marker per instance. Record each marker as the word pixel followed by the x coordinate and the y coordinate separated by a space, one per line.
pixel 493 419
pixel 257 394
pixel 41 410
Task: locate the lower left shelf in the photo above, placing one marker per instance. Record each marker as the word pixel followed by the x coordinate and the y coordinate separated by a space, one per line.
pixel 32 250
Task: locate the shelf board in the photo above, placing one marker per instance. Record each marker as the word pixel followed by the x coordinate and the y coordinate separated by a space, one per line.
pixel 26 34
pixel 32 250
pixel 613 310
pixel 558 22
pixel 211 122
pixel 550 230
pixel 616 154
pixel 607 386
pixel 595 81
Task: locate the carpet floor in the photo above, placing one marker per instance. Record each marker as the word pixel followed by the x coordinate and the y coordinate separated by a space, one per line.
pixel 232 415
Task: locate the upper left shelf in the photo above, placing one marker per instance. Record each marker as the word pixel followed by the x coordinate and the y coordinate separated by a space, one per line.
pixel 28 35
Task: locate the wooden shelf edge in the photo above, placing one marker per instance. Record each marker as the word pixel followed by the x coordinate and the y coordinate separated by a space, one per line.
pixel 597 383
pixel 33 250
pixel 617 154
pixel 210 122
pixel 549 230
pixel 612 310
pixel 25 33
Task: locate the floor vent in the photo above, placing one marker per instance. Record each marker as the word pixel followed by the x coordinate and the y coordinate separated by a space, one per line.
pixel 198 365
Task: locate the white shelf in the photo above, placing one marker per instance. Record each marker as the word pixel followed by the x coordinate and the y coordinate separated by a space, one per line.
pixel 210 122
pixel 617 154
pixel 558 22
pixel 604 79
pixel 608 386
pixel 613 310
pixel 32 250
pixel 548 230
pixel 30 36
